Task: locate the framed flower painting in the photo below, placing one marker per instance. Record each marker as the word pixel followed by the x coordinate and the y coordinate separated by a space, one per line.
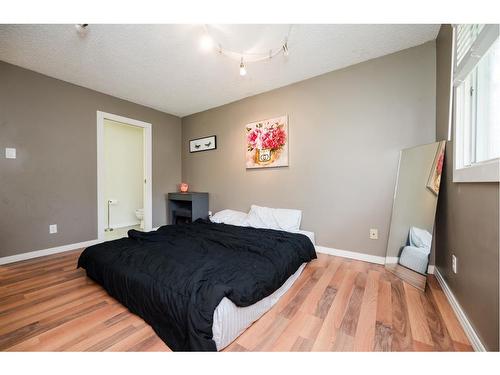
pixel 267 143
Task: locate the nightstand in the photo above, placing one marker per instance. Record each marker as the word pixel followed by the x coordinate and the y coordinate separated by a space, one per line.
pixel 186 207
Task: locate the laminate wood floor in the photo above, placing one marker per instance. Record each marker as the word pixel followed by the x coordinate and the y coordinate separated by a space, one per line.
pixel 337 304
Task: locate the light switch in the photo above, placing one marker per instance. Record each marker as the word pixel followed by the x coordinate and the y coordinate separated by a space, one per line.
pixel 10 153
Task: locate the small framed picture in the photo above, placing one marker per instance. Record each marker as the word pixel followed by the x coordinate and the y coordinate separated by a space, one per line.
pixel 203 144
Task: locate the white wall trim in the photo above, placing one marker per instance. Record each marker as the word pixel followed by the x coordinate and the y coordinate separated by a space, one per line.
pixel 459 312
pixel 148 169
pixel 351 254
pixel 44 252
pixel 431 269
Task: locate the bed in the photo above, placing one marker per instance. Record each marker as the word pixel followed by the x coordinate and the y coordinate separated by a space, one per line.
pixel 199 285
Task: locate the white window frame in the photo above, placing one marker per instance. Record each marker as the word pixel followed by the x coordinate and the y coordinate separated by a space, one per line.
pixel 484 171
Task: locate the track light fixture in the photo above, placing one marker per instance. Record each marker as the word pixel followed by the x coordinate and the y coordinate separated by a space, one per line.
pixel 243 70
pixel 207 42
pixel 286 52
pixel 82 28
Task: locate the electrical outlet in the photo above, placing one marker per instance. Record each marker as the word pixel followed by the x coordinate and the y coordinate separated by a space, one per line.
pixel 373 234
pixel 10 153
pixel 52 228
pixel 454 263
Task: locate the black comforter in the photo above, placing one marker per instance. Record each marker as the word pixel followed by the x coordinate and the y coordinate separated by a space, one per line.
pixel 175 277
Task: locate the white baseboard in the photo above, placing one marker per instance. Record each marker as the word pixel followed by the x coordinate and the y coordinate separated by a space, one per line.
pixel 459 312
pixel 41 253
pixel 351 254
pixel 431 269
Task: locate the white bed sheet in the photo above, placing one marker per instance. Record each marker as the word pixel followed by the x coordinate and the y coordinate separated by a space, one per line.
pixel 230 320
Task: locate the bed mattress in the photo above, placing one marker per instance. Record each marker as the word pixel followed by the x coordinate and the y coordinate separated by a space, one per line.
pixel 230 320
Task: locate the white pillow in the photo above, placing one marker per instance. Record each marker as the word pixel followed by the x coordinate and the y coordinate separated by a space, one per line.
pixel 230 217
pixel 274 218
pixel 420 238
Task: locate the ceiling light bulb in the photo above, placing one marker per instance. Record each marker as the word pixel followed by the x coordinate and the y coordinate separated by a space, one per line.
pixel 285 49
pixel 243 70
pixel 206 42
pixel 82 28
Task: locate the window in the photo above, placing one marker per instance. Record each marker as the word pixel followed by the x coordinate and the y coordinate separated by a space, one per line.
pixel 477 103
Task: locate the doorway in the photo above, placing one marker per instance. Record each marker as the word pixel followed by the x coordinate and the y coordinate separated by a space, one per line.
pixel 124 189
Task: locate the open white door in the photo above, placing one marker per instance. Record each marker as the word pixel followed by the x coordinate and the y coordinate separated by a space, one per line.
pixel 148 190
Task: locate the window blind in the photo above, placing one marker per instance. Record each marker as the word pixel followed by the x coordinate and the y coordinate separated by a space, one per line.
pixel 472 41
pixel 466 36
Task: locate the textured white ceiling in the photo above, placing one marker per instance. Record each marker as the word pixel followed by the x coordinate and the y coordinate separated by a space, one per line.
pixel 163 66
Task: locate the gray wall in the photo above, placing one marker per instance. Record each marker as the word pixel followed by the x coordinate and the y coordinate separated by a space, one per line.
pixel 467 223
pixel 346 129
pixel 53 180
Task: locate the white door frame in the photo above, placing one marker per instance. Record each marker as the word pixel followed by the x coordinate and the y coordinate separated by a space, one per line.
pixel 147 148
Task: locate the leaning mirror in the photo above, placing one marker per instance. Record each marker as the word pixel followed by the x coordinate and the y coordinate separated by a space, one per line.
pixel 413 212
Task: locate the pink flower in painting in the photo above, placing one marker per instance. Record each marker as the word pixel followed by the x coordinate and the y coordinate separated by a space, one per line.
pixel 263 137
pixel 253 137
pixel 439 166
pixel 274 138
pixel 280 136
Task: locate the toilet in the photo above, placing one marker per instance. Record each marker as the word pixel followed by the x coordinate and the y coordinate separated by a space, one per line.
pixel 140 215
